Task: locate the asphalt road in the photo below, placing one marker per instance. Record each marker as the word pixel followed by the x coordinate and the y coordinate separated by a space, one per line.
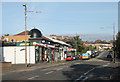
pixel 93 69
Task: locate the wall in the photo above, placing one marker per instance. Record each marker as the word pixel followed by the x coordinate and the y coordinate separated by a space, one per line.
pixel 16 54
pixel 19 38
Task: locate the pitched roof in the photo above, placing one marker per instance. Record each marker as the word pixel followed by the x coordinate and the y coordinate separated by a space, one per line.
pixel 22 33
pixel 57 41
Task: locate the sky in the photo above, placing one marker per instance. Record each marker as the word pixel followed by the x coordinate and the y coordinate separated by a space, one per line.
pixel 90 20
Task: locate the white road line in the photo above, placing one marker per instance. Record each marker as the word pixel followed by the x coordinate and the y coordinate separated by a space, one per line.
pixel 85 78
pixel 33 77
pixel 49 72
pixel 88 71
pixel 78 78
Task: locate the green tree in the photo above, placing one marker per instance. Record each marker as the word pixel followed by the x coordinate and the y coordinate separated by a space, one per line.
pixel 118 45
pixel 77 44
pixel 6 34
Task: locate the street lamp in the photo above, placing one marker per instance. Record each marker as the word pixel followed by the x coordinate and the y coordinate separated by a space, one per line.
pixel 26 29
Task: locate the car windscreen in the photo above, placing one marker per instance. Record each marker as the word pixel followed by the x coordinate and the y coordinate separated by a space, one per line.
pixel 68 56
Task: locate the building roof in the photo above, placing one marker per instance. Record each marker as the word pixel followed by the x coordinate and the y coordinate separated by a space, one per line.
pixel 35 33
pixel 65 36
pixel 22 33
pixel 52 35
pixel 57 41
pixel 59 36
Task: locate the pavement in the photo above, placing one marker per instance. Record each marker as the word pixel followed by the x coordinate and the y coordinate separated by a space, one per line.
pixel 17 67
pixel 116 69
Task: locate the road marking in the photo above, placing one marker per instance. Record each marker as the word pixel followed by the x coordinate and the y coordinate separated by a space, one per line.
pixel 84 75
pixel 49 72
pixel 88 71
pixel 78 78
pixel 33 77
pixel 85 78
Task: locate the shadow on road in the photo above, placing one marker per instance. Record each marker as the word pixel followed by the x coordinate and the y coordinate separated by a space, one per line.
pixel 105 73
pixel 106 59
pixel 77 70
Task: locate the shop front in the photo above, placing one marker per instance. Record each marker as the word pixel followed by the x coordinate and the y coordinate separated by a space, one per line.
pixel 45 51
pixel 42 51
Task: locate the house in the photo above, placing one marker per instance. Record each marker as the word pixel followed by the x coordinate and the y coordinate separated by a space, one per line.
pixel 17 37
pixel 53 36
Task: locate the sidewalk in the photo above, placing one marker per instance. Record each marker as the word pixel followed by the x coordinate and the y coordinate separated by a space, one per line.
pixel 116 69
pixel 17 67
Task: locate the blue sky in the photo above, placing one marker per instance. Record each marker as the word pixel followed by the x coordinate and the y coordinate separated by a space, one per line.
pixel 91 20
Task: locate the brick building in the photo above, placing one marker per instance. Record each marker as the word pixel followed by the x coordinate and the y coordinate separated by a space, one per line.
pixel 16 38
pixel 53 36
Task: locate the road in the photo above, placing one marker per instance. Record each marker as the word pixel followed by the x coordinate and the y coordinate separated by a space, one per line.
pixel 93 69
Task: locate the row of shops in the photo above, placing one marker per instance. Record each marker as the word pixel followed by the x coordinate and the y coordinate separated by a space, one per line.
pixel 55 52
pixel 39 48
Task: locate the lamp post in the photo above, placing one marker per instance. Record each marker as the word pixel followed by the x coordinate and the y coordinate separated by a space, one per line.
pixel 114 43
pixel 26 29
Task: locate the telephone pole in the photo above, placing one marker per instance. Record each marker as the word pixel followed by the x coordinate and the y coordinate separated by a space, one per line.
pixel 26 32
pixel 25 35
pixel 114 43
pixel 76 43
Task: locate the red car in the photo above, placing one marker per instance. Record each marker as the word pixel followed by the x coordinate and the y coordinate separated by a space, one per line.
pixel 80 57
pixel 69 58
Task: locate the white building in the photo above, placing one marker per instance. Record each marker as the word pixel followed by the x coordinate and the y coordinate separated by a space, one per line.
pixel 16 54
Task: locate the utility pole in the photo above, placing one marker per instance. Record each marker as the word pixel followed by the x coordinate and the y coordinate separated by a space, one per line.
pixel 26 32
pixel 25 35
pixel 76 44
pixel 114 43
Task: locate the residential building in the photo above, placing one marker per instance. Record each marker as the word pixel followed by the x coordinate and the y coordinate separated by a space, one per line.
pixel 53 36
pixel 65 37
pixel 16 38
pixel 59 37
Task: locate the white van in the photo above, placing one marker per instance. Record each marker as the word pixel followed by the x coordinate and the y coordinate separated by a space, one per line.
pixel 90 52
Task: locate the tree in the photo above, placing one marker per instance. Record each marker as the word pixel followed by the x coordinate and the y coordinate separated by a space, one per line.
pixel 77 44
pixel 6 34
pixel 118 44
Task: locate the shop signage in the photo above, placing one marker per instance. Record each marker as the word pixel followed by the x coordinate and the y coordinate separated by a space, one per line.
pixel 70 49
pixel 23 44
pixel 43 45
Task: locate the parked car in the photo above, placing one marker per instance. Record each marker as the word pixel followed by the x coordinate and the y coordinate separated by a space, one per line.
pixel 74 57
pixel 96 53
pixel 85 56
pixel 93 54
pixel 77 56
pixel 109 56
pixel 90 52
pixel 80 57
pixel 110 52
pixel 69 58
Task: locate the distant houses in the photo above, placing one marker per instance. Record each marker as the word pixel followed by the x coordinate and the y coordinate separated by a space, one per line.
pixel 61 37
